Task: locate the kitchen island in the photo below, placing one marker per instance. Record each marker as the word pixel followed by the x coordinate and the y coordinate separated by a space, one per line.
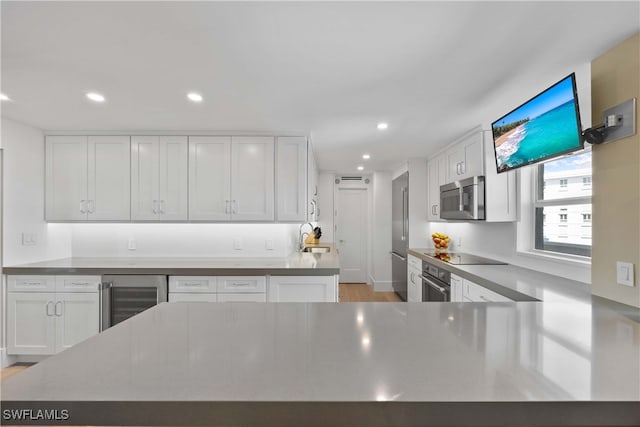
pixel 366 364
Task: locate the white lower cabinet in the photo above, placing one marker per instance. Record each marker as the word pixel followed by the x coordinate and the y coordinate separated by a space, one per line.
pixel 303 289
pixel 43 319
pixel 192 297
pixel 456 288
pixel 414 282
pixel 242 297
pixel 474 292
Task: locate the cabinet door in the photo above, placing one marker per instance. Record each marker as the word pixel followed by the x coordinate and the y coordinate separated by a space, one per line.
pixel 437 172
pixel 456 288
pixel 77 318
pixel 455 161
pixel 109 178
pixel 31 323
pixel 145 173
pixel 291 179
pixel 173 178
pixel 66 182
pixel 209 177
pixel 252 179
pixel 473 162
pixel 414 285
pixel 192 297
pixel 302 289
pixel 242 297
pixel 312 186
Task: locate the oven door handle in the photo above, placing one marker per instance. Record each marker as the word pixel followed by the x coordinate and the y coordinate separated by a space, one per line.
pixel 433 285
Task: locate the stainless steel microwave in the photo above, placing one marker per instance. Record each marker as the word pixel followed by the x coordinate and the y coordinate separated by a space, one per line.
pixel 463 199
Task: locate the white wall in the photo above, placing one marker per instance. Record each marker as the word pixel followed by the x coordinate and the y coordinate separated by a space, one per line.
pixel 183 240
pixel 23 210
pixel 380 270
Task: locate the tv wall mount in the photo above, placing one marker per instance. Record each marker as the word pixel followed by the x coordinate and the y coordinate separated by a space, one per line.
pixel 617 122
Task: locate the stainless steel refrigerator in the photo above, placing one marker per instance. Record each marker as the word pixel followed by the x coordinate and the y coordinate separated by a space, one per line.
pixel 400 234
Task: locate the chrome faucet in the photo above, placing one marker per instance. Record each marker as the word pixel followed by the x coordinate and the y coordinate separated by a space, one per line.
pixel 301 235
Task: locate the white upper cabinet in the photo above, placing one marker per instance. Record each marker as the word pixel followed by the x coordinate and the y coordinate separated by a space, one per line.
pixel 66 178
pixel 466 158
pixel 88 178
pixel 437 173
pixel 312 187
pixel 252 178
pixel 159 178
pixel 209 178
pixel 231 178
pixel 500 189
pixel 291 179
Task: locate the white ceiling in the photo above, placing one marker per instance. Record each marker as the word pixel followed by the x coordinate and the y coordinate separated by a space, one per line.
pixel 332 70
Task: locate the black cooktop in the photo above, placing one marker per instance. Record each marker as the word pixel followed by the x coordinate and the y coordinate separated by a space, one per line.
pixel 459 258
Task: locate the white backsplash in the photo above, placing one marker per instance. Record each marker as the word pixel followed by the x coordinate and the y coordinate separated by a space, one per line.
pixel 183 240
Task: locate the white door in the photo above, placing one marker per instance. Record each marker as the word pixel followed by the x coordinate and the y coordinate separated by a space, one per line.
pixel 291 179
pixel 209 177
pixel 252 178
pixel 66 183
pixel 145 172
pixel 31 323
pixel 351 222
pixel 173 178
pixel 109 181
pixel 77 318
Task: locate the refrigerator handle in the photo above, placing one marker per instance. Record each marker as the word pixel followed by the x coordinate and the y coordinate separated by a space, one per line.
pixel 404 216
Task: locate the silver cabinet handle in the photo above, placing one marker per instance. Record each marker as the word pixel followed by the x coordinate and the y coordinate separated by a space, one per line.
pixel 83 206
pixel 398 256
pixel 226 206
pixel 58 313
pixel 154 207
pixel 413 277
pixel 313 206
pixel 49 312
pixel 92 206
pixel 162 206
pixel 234 206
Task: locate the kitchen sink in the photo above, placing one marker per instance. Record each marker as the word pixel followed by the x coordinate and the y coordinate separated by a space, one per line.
pixel 317 249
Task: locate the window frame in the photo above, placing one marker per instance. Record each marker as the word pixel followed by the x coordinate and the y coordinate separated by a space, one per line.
pixel 569 251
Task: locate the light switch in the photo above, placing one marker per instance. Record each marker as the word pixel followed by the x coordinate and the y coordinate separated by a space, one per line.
pixel 624 273
pixel 269 244
pixel 131 245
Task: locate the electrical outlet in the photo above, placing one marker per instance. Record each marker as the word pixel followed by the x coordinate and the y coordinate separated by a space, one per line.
pixel 624 274
pixel 131 244
pixel 29 239
pixel 459 242
pixel 237 243
pixel 269 244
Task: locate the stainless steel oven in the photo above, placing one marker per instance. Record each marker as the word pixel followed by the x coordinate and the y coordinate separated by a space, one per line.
pixel 463 199
pixel 436 283
pixel 124 296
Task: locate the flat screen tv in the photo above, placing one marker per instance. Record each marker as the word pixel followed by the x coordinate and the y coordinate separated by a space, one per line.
pixel 546 126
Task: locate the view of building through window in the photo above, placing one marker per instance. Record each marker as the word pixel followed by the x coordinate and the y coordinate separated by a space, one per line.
pixel 563 205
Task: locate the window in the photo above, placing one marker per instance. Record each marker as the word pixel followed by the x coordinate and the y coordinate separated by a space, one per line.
pixel 561 210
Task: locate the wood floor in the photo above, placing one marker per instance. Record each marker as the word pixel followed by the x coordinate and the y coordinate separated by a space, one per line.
pixel 12 370
pixel 361 292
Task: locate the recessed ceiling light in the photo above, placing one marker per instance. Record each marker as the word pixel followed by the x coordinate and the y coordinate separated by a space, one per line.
pixel 95 97
pixel 4 97
pixel 382 126
pixel 366 156
pixel 195 97
pixel 360 168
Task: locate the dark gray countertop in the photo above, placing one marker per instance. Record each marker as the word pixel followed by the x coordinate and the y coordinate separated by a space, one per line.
pixel 296 264
pixel 367 364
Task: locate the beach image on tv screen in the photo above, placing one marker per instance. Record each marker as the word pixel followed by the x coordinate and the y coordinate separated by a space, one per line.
pixel 542 127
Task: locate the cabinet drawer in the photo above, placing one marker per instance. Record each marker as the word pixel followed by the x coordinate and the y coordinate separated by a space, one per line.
pixel 78 283
pixel 475 292
pixel 32 283
pixel 192 297
pixel 242 297
pixel 414 262
pixel 242 284
pixel 193 284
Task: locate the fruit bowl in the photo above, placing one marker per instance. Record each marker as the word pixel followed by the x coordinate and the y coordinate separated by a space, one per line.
pixel 441 242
